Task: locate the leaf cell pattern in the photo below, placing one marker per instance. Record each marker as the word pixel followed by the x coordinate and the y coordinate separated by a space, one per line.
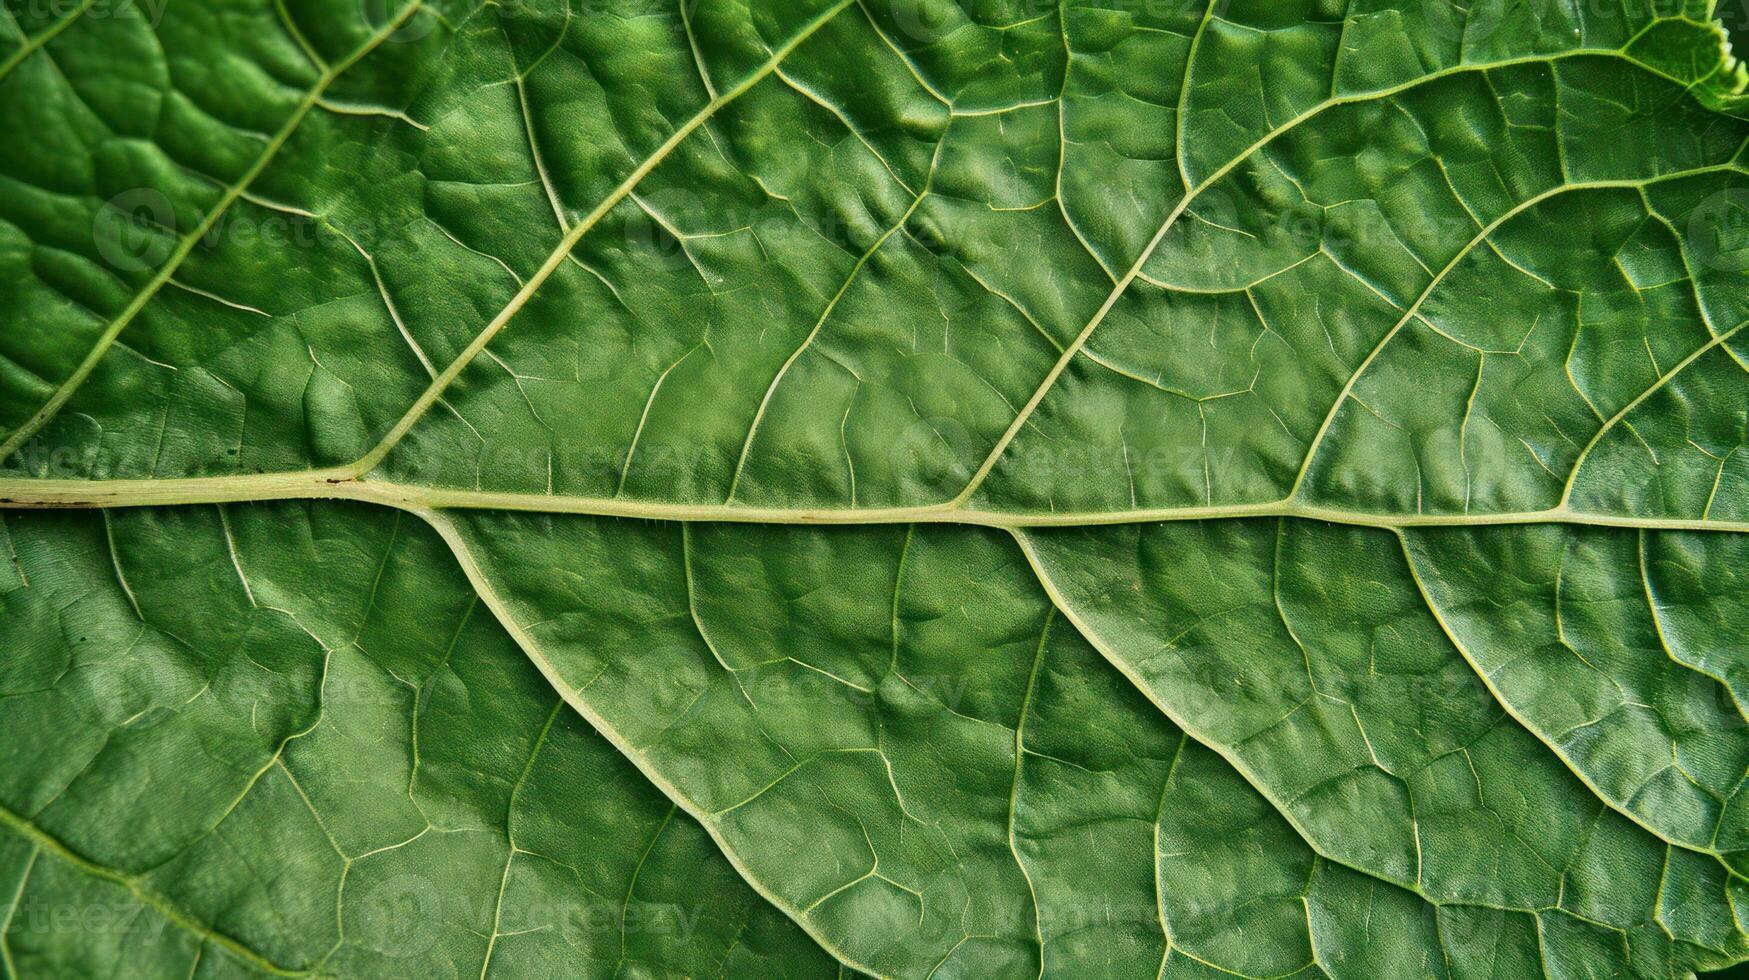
pixel 1291 457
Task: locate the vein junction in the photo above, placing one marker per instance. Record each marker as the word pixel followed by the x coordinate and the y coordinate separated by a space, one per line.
pixel 340 484
pixel 353 481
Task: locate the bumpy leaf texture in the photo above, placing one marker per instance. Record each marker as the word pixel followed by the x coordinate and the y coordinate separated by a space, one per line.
pixel 789 488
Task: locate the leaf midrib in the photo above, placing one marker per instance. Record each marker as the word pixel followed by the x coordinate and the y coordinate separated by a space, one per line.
pixel 338 484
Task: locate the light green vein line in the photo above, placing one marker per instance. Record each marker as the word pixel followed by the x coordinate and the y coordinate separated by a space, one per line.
pixel 435 390
pixel 32 44
pixel 6 963
pixel 1512 709
pixel 476 575
pixel 826 314
pixel 1104 648
pixel 1038 659
pixel 1245 772
pixel 1123 285
pixel 186 245
pixel 49 844
pixel 1626 410
pixel 32 494
pixel 1414 309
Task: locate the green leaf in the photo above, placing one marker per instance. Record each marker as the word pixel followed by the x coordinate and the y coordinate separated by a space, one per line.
pixel 331 760
pixel 1287 459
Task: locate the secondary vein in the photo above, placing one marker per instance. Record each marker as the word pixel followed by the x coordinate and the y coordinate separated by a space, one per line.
pixel 435 390
pixel 67 388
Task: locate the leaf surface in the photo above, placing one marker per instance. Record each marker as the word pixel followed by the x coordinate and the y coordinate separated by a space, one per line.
pixel 1291 458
